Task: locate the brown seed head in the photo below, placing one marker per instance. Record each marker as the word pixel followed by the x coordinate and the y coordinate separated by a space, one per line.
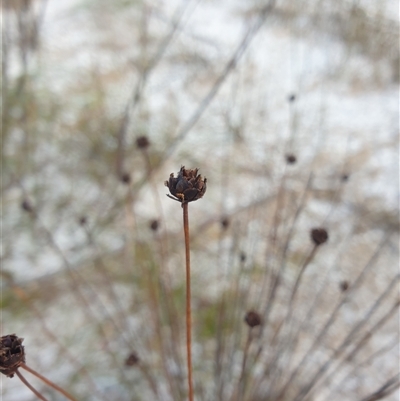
pixel 225 223
pixel 253 319
pixel 12 354
pixel 26 206
pixel 291 159
pixel 344 285
pixel 319 235
pixel 154 225
pixel 125 178
pixel 188 186
pixel 142 142
pixel 132 359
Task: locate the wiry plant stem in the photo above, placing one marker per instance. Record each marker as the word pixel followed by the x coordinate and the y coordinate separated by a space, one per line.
pixel 188 297
pixel 47 381
pixel 27 384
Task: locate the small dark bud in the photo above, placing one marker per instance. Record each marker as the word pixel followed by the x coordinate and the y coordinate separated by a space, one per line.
pixel 83 221
pixel 344 285
pixel 12 354
pixel 154 225
pixel 188 186
pixel 292 98
pixel 253 319
pixel 319 235
pixel 125 178
pixel 142 142
pixel 225 223
pixel 344 177
pixel 25 205
pixel 132 359
pixel 242 257
pixel 291 159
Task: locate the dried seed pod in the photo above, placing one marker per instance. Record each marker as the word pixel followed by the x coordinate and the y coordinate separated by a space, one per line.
pixel 319 235
pixel 12 354
pixel 253 319
pixel 291 159
pixel 26 206
pixel 142 142
pixel 125 178
pixel 188 186
pixel 132 359
pixel 225 223
pixel 344 285
pixel 154 225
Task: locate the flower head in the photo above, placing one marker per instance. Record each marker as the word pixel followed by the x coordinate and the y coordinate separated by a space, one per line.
pixel 12 354
pixel 319 236
pixel 188 186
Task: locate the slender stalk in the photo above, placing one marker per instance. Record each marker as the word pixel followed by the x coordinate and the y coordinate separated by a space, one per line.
pixel 27 384
pixel 188 297
pixel 47 381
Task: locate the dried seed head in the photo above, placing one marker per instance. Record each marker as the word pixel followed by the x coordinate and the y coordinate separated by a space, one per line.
pixel 291 159
pixel 142 142
pixel 125 178
pixel 319 235
pixel 344 285
pixel 12 354
pixel 252 318
pixel 26 206
pixel 225 223
pixel 154 225
pixel 188 186
pixel 132 359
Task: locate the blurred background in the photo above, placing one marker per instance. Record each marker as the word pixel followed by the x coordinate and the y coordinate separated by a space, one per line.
pixel 291 111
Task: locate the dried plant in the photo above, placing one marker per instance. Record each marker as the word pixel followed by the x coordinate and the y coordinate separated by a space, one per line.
pixel 292 113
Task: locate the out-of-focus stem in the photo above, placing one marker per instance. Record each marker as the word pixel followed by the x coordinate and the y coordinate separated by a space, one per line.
pixel 27 384
pixel 48 382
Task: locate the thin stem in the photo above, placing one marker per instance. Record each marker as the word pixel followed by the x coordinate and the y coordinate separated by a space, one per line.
pixel 27 384
pixel 188 297
pixel 48 382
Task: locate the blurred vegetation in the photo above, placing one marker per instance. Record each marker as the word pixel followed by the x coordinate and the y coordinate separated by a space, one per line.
pixel 87 280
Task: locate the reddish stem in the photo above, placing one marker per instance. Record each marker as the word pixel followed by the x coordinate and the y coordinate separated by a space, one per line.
pixel 188 297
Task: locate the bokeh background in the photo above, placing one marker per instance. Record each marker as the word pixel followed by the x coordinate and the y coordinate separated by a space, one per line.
pixel 291 111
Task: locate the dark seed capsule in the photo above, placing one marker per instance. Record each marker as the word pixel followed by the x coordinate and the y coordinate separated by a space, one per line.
pixel 188 186
pixel 26 206
pixel 142 142
pixel 12 354
pixel 291 159
pixel 125 178
pixel 344 285
pixel 132 359
pixel 253 319
pixel 225 223
pixel 154 225
pixel 319 235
